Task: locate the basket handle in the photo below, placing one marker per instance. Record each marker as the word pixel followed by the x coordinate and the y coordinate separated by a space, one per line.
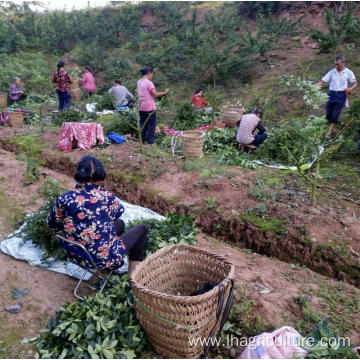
pixel 226 313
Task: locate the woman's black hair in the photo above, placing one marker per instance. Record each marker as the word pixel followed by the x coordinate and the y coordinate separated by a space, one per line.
pixel 199 89
pixel 88 68
pixel 258 111
pixel 146 70
pixel 60 64
pixel 89 169
pixel 118 81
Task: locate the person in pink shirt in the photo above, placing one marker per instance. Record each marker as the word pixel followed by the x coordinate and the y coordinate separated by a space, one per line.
pixel 147 93
pixel 88 81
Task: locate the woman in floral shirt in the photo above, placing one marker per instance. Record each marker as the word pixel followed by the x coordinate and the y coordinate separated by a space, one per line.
pixel 62 81
pixel 90 215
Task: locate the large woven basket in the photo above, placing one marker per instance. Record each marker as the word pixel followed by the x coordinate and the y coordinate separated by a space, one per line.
pixel 162 287
pixel 16 119
pixel 232 114
pixel 193 142
pixel 3 100
pixel 76 94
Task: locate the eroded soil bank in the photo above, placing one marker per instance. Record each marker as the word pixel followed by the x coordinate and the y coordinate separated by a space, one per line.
pixel 325 238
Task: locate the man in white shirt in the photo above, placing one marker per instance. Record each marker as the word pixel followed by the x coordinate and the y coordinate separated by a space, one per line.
pixel 340 79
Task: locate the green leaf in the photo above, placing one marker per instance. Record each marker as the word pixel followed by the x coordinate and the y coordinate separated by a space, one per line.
pixel 63 354
pixel 108 354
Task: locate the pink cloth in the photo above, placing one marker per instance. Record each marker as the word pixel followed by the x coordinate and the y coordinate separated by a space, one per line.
pixel 88 82
pixel 144 88
pixel 87 135
pixel 4 118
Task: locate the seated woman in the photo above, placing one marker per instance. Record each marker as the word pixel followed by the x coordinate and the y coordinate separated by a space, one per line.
pixel 16 93
pixel 247 125
pixel 90 215
pixel 198 100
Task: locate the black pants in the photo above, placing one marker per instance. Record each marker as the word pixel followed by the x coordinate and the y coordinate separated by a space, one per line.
pixel 148 132
pixel 134 240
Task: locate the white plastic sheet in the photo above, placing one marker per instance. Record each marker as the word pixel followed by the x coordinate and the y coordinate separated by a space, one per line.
pixel 289 167
pixel 91 108
pixel 16 246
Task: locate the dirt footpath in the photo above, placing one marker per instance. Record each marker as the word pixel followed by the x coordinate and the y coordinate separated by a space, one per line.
pixel 48 290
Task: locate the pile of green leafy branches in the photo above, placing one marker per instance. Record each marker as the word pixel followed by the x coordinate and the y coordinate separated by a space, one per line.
pixel 36 229
pixel 123 123
pixel 231 156
pixel 69 115
pixel 175 229
pixel 217 140
pixel 291 140
pixel 101 326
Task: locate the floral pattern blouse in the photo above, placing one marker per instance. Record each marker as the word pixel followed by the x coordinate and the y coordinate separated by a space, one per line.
pixel 86 215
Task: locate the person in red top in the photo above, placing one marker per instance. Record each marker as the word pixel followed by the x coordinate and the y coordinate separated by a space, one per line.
pixel 62 80
pixel 198 98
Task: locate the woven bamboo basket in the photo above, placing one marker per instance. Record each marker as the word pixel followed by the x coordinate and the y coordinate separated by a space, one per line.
pixel 232 114
pixel 16 119
pixel 162 287
pixel 76 94
pixel 3 100
pixel 193 142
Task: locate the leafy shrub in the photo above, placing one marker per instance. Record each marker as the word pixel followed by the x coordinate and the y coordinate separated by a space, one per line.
pixel 35 225
pixel 69 115
pixel 313 96
pixel 187 118
pixel 105 102
pixel 124 123
pixel 101 326
pixel 341 27
pixel 32 68
pixel 219 140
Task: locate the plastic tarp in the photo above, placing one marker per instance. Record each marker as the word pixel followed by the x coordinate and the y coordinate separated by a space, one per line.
pixel 289 167
pixel 18 247
pixel 91 108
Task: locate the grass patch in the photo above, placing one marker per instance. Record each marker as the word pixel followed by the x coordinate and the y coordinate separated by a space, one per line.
pixel 265 224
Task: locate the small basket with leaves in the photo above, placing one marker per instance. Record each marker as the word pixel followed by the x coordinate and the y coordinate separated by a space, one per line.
pixel 16 119
pixel 193 143
pixel 232 114
pixel 170 303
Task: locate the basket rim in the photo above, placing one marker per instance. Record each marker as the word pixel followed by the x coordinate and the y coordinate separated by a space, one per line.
pixel 178 298
pixel 189 132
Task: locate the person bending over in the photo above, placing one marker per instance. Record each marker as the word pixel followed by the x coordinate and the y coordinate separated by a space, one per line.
pixel 248 124
pixel 90 215
pixel 123 97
